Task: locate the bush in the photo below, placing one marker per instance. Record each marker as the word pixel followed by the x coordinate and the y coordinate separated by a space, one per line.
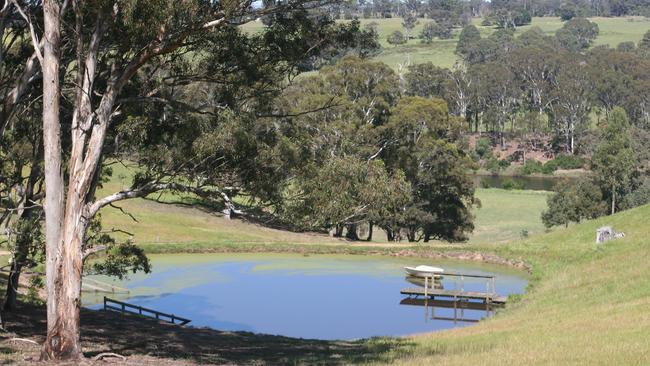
pixel 638 197
pixel 573 202
pixel 396 38
pixel 549 167
pixel 532 167
pixel 483 147
pixel 563 161
pixel 493 166
pixel 510 184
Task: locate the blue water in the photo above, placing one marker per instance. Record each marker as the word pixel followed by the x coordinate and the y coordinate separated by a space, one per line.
pixel 322 297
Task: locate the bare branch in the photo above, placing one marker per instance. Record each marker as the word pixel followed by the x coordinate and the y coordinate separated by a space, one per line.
pixel 124 212
pixel 32 32
pixel 153 187
pixel 93 250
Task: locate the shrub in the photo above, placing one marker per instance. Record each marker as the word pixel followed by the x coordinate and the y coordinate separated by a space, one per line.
pixel 573 202
pixel 510 184
pixel 396 38
pixel 549 167
pixel 563 161
pixel 493 166
pixel 531 167
pixel 639 196
pixel 483 147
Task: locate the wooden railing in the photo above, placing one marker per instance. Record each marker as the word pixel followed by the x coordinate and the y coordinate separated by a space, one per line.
pixel 490 281
pixel 92 285
pixel 123 307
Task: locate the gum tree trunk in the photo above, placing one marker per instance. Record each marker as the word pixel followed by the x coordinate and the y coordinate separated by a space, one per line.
pixel 25 238
pixel 351 232
pixel 62 342
pixel 613 199
pixel 370 227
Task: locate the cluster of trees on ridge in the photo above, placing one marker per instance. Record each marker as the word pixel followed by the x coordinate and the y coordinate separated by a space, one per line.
pixel 502 13
pixel 531 89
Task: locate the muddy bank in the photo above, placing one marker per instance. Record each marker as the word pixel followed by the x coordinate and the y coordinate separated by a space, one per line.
pixel 451 253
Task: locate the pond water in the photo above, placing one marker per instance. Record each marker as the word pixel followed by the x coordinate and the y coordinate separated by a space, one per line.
pixel 527 182
pixel 317 296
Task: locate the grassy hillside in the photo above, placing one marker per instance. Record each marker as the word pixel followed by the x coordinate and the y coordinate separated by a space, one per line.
pixel 587 304
pixel 502 217
pixel 441 52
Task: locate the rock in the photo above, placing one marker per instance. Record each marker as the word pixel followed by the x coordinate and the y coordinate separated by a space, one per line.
pixel 606 233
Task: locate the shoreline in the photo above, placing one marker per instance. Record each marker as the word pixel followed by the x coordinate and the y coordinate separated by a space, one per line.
pixel 454 253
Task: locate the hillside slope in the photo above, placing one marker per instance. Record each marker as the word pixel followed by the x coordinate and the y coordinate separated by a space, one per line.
pixel 587 304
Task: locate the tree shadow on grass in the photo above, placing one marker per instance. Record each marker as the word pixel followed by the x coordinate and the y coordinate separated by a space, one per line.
pixel 137 337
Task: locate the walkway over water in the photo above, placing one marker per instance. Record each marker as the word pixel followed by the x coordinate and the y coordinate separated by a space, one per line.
pixel 490 295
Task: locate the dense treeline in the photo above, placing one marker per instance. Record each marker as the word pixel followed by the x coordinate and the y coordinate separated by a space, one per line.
pixel 506 13
pixel 531 83
pixel 555 93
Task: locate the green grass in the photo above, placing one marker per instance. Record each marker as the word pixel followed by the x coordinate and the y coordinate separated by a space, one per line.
pixel 586 304
pixel 502 217
pixel 505 214
pixel 441 52
pixel 161 223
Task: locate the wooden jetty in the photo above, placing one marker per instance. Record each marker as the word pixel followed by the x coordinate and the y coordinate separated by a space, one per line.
pixel 488 297
pixel 456 295
pixel 92 285
pixel 126 308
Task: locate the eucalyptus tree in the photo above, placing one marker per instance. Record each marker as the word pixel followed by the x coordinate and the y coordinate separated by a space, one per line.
pixel 21 148
pixel 371 86
pixel 426 80
pixel 574 202
pixel 459 91
pixel 113 41
pixel 577 34
pixel 347 191
pixel 614 160
pixel 409 22
pixel 535 69
pixel 497 86
pixel 20 69
pixel 613 73
pixel 467 40
pixel 359 95
pixel 426 145
pixel 572 99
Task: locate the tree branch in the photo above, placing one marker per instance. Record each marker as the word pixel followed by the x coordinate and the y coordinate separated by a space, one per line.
pixel 147 189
